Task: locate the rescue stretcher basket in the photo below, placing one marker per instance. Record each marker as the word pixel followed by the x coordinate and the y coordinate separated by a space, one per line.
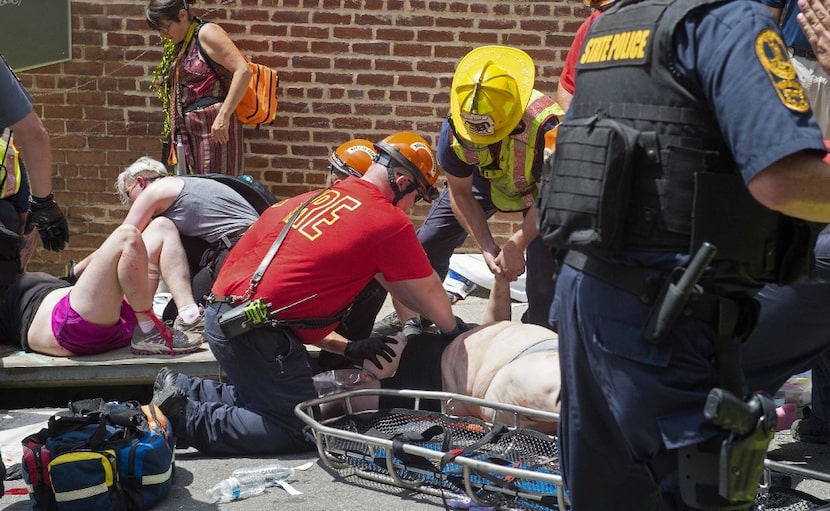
pixel 782 498
pixel 437 453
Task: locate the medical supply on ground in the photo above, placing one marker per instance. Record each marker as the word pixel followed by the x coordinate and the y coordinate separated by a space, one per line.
pixel 102 456
pixel 268 475
pixel 230 489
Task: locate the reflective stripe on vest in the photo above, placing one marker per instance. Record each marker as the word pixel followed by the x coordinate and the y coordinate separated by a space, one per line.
pixel 9 159
pixel 511 175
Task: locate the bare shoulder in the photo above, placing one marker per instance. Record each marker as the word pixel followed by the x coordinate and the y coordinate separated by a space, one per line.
pixel 213 35
pixel 167 186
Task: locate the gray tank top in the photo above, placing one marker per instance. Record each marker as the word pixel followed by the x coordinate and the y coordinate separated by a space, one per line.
pixel 208 210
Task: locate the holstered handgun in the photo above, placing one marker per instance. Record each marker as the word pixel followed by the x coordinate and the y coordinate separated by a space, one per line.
pixel 751 424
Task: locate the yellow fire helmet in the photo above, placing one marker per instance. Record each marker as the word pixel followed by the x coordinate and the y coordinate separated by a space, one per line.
pixel 490 90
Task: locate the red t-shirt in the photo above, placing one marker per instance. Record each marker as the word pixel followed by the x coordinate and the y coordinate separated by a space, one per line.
pixel 566 79
pixel 337 245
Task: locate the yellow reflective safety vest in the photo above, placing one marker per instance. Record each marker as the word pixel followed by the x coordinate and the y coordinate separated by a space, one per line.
pixel 9 166
pixel 510 171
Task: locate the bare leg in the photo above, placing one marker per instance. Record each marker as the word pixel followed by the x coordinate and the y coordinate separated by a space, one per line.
pixel 165 250
pixel 117 269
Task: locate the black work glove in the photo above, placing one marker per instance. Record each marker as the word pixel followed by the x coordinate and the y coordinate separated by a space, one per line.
pixel 45 214
pixel 370 349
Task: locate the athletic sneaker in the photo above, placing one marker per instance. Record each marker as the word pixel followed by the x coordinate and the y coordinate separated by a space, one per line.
pixel 412 327
pixel 153 343
pixel 388 325
pixel 391 324
pixel 811 429
pixel 196 328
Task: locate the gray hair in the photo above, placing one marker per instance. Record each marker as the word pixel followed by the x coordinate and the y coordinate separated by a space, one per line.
pixel 145 167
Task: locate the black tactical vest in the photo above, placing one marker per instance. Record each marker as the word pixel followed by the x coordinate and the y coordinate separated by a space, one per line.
pixel 678 185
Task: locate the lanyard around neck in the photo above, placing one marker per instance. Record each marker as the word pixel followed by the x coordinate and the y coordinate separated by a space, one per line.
pixel 188 38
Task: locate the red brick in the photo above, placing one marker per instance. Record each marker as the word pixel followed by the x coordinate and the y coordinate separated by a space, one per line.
pixel 347 68
pixel 304 31
pixel 395 34
pixel 312 62
pixel 418 50
pixel 375 80
pixel 395 64
pixel 479 38
pixel 352 33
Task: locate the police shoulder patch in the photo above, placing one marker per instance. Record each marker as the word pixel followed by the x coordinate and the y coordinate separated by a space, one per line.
pixel 774 58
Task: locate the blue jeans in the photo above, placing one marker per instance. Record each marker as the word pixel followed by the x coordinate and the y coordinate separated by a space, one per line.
pixel 254 413
pixel 441 234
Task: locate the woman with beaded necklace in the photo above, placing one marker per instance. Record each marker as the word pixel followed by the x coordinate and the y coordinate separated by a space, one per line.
pixel 206 79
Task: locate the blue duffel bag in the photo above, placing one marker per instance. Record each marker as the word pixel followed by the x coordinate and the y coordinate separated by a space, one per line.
pixel 102 456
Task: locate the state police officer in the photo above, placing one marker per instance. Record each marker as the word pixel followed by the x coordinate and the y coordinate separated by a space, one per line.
pixel 688 129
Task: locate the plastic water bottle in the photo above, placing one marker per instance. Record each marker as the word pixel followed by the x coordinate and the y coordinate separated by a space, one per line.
pixel 266 476
pixel 230 489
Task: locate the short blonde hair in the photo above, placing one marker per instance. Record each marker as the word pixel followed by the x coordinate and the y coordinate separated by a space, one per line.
pixel 145 167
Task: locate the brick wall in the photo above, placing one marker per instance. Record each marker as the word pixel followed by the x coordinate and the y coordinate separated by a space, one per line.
pixel 348 68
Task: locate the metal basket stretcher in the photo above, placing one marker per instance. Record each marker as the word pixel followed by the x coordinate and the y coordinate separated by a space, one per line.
pixel 437 453
pixel 518 470
pixel 771 497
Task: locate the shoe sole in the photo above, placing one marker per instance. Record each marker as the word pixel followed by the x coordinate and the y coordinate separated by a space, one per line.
pixel 181 351
pixel 161 377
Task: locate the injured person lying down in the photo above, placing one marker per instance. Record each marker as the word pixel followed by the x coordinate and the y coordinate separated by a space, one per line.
pixel 503 361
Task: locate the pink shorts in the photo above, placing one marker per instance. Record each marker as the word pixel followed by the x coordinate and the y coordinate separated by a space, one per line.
pixel 81 337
